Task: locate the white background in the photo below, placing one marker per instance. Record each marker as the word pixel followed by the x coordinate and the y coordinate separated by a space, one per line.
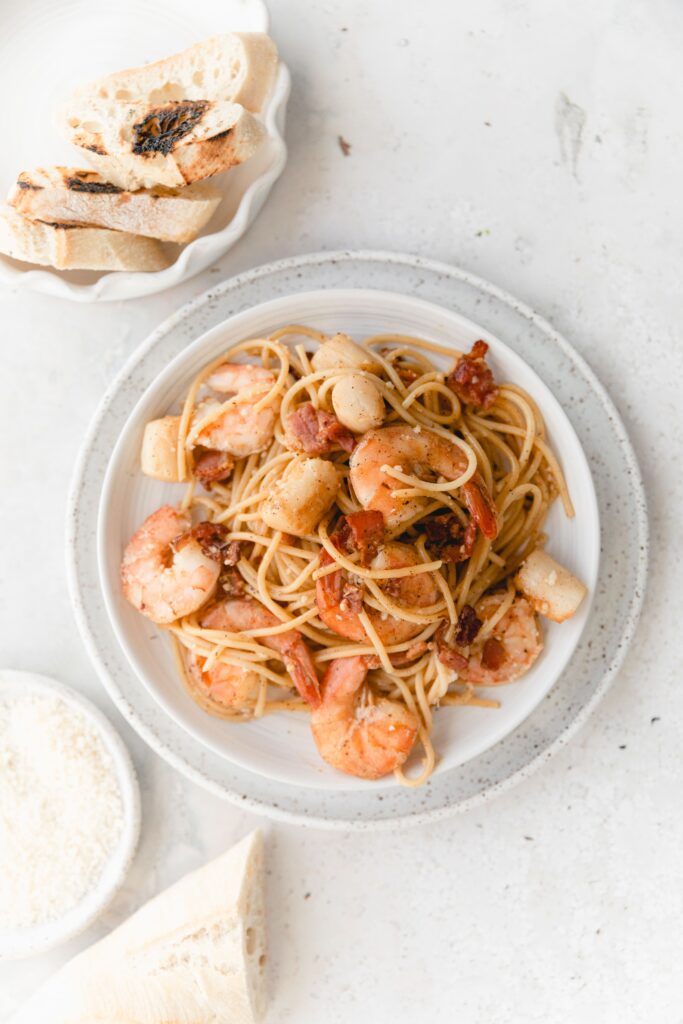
pixel 537 144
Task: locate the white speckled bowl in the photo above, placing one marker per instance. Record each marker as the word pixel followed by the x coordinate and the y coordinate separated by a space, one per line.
pixel 617 596
pixel 23 942
pixel 281 747
pixel 98 39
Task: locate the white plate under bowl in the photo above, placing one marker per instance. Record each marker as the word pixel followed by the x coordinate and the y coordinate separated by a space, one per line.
pixel 280 746
pixel 17 943
pixel 48 47
pixel 617 597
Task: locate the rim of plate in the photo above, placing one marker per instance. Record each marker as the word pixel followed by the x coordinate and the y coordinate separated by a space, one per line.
pixel 18 943
pixel 196 255
pixel 630 616
pixel 566 444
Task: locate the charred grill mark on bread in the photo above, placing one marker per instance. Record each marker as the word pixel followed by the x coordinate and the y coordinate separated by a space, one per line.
pixel 64 225
pixel 23 181
pixel 82 182
pixel 163 127
pixel 79 181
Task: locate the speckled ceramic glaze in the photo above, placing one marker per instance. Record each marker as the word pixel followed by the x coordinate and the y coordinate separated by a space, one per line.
pixel 616 602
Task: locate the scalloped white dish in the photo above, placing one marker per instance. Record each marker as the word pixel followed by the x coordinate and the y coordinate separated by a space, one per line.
pixel 280 747
pixel 47 48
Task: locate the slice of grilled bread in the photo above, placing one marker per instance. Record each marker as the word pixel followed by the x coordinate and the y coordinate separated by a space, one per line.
pixel 74 195
pixel 77 246
pixel 238 66
pixel 172 144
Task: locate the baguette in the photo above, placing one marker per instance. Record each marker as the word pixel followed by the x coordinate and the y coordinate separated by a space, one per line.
pixel 195 953
pixel 238 67
pixel 174 143
pixel 77 246
pixel 76 196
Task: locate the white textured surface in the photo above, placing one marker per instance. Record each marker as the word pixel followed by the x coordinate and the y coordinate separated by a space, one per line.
pixel 562 899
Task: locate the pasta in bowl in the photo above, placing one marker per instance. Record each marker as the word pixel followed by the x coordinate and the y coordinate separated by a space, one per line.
pixel 359 539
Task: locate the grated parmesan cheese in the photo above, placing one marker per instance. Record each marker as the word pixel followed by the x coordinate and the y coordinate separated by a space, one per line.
pixel 61 813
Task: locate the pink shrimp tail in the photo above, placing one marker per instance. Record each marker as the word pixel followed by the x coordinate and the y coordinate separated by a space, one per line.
pixel 242 614
pixel 482 508
pixel 302 670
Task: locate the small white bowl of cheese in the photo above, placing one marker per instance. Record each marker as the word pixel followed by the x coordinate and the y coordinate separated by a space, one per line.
pixel 69 813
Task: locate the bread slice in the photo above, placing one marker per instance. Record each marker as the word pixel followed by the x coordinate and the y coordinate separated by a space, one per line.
pixel 238 67
pixel 77 246
pixel 72 195
pixel 195 953
pixel 173 143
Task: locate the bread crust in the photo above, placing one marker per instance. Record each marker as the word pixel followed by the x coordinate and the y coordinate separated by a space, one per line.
pixel 196 953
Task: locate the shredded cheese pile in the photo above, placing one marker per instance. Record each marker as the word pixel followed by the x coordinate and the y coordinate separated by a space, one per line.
pixel 61 813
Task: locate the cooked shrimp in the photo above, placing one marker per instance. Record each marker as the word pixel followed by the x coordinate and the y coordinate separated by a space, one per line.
pixel 509 649
pixel 401 446
pixel 235 426
pixel 231 378
pixel 340 599
pixel 238 615
pixel 355 732
pixel 169 567
pixel 229 685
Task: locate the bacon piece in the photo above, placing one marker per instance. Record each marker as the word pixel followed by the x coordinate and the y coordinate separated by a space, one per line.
pixel 341 536
pixel 231 583
pixel 360 531
pixel 367 533
pixel 351 598
pixel 468 626
pixel 407 374
pixel 452 659
pixel 493 655
pixel 472 380
pixel 317 432
pixel 211 539
pixel 232 553
pixel 448 655
pixel 213 465
pixel 447 538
